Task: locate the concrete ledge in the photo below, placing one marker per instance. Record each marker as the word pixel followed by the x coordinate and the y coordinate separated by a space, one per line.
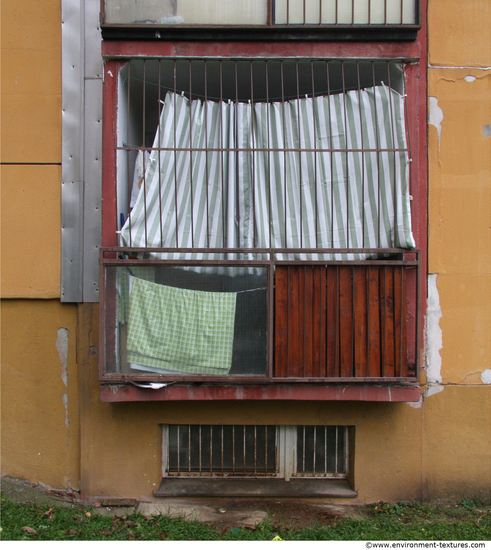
pixel 257 488
pixel 115 393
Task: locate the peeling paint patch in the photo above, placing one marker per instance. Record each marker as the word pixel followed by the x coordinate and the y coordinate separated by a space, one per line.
pixel 470 78
pixel 433 336
pixel 487 130
pixel 64 398
pixel 486 376
pixel 435 116
pixel 62 348
pixel 432 390
pixel 417 404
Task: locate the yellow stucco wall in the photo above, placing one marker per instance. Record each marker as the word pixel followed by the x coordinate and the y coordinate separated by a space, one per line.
pixel 62 435
pixel 40 428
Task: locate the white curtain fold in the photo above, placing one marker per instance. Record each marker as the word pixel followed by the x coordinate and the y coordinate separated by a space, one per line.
pixel 324 172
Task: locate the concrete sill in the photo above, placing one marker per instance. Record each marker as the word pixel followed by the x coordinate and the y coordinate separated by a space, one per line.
pixel 277 488
pixel 115 393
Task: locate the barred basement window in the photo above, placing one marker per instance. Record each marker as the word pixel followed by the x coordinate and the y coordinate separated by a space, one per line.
pixel 263 220
pixel 255 451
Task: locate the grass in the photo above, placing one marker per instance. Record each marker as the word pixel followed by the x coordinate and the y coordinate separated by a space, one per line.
pixel 465 521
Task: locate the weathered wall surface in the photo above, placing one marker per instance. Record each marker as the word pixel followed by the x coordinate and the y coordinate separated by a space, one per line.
pixel 56 431
pixel 40 429
pixel 456 438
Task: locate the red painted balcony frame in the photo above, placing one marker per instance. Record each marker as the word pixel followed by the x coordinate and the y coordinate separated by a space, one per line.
pixel 117 52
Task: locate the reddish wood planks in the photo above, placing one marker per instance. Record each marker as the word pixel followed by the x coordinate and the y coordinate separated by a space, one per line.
pixel 340 322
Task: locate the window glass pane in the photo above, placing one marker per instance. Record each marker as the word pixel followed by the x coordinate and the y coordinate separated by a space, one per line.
pixel 187 321
pixel 342 12
pixel 187 12
pixel 255 12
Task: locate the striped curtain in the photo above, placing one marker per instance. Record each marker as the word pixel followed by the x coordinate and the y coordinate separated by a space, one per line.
pixel 323 172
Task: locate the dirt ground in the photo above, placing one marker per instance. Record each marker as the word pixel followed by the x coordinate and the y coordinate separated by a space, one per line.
pixel 223 513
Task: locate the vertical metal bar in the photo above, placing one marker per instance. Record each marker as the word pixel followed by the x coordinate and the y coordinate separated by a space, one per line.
pixel 362 158
pixel 315 450
pixel 331 152
pixel 336 451
pixel 352 12
pixel 303 449
pixel 320 12
pixel 244 449
pixel 346 163
pixel 233 449
pixel 368 285
pixel 189 448
pixel 304 13
pixel 200 450
pixel 378 158
pixel 178 450
pixel 316 206
pixel 236 147
pixel 143 147
pixel 159 153
pixel 393 153
pixel 254 153
pixel 408 132
pixel 191 147
pixel 221 450
pixel 265 449
pixel 385 12
pixel 325 450
pixel 222 154
pixel 206 157
pixel 346 450
pixel 284 146
pixel 268 107
pixel 255 449
pixel 211 448
pixel 299 152
pixel 130 181
pixel 288 12
pixel 369 12
pixel 175 155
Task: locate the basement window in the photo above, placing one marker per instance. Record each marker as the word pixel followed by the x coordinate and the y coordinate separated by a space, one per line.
pixel 272 460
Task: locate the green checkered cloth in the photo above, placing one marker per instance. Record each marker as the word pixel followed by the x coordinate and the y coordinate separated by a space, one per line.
pixel 123 279
pixel 180 330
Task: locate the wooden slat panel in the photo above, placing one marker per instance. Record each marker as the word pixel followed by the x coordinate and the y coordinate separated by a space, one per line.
pixel 360 321
pixel 373 315
pixel 400 315
pixel 387 306
pixel 332 322
pixel 340 321
pixel 281 321
pixel 296 321
pixel 345 322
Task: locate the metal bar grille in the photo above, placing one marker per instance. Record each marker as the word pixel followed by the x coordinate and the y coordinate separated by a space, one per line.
pixel 322 451
pixel 255 451
pixel 211 450
pixel 235 155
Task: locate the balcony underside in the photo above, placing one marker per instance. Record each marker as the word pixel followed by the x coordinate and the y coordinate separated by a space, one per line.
pixel 272 392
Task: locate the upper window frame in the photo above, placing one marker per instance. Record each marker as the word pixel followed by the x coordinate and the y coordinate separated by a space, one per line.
pixel 328 32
